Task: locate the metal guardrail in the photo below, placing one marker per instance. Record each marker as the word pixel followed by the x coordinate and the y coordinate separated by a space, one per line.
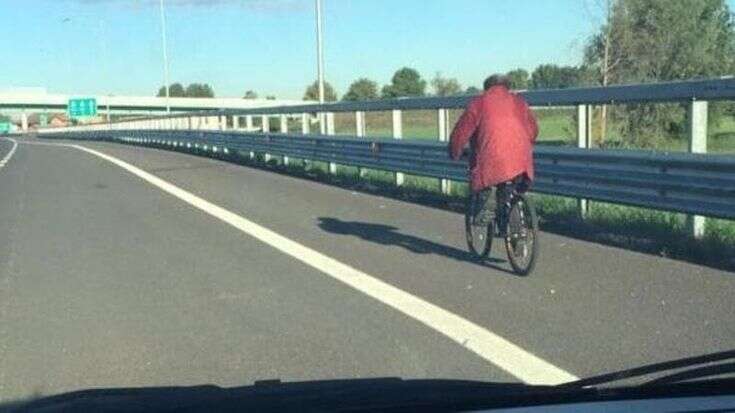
pixel 687 183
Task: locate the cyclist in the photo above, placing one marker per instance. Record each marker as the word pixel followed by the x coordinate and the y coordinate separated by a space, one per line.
pixel 501 130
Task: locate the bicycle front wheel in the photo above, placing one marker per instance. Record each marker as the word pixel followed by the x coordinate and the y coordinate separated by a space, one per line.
pixel 521 241
pixel 479 237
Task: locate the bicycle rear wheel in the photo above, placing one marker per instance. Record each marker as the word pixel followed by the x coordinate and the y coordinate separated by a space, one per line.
pixel 521 241
pixel 479 237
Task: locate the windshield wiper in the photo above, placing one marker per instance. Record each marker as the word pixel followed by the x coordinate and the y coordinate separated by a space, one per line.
pixel 687 375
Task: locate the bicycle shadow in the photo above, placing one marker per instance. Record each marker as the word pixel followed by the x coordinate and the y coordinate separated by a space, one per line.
pixel 388 235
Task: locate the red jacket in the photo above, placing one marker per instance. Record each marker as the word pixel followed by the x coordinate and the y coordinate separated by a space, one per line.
pixel 501 130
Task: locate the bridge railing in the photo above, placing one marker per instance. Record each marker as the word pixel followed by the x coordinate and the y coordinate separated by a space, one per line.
pixel 689 183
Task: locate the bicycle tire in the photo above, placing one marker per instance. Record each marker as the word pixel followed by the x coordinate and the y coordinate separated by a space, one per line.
pixel 526 213
pixel 483 232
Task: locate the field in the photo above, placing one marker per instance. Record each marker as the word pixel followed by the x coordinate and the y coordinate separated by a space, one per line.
pixel 556 127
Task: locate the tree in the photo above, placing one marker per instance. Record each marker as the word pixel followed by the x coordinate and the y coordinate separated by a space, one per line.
pixel 603 53
pixel 549 76
pixel 175 90
pixel 519 79
pixel 250 94
pixel 444 86
pixel 362 89
pixel 472 91
pixel 270 97
pixel 199 90
pixel 661 40
pixel 312 92
pixel 405 82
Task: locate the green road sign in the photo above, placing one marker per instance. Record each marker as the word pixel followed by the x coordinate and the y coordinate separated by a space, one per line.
pixel 4 127
pixel 79 108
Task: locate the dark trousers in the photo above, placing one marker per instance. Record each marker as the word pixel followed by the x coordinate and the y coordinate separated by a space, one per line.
pixel 486 201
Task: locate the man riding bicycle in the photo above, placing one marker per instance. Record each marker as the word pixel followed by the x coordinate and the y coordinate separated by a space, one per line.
pixel 501 131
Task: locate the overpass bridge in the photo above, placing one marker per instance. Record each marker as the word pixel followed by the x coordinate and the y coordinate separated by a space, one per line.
pixel 23 102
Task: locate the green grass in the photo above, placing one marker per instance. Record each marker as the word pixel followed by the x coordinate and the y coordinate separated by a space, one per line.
pixel 556 126
pixel 657 232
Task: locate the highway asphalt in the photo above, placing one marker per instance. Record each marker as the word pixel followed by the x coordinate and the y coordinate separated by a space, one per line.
pixel 108 281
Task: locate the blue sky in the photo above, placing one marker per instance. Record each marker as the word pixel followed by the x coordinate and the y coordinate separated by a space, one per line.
pixel 114 46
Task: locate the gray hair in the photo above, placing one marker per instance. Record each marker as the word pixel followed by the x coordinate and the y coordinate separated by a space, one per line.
pixel 496 80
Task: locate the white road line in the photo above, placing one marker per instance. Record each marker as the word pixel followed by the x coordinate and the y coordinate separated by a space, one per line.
pixel 9 154
pixel 488 345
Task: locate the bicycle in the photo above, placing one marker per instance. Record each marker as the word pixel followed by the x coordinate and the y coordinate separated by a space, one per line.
pixel 521 239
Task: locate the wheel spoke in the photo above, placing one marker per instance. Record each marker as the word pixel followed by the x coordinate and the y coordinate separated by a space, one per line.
pixel 521 243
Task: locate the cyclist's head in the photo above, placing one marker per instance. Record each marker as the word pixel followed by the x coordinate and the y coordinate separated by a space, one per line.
pixel 496 80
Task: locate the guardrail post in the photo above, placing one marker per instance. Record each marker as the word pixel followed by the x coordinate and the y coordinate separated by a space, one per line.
pixel 329 117
pixel 330 123
pixel 360 132
pixel 398 134
pixel 284 129
pixel 249 128
pixel 584 132
pixel 443 127
pixel 697 129
pixel 305 123
pixel 322 123
pixel 266 128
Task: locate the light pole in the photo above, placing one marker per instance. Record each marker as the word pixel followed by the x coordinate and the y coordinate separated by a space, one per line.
pixel 165 57
pixel 320 61
pixel 103 42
